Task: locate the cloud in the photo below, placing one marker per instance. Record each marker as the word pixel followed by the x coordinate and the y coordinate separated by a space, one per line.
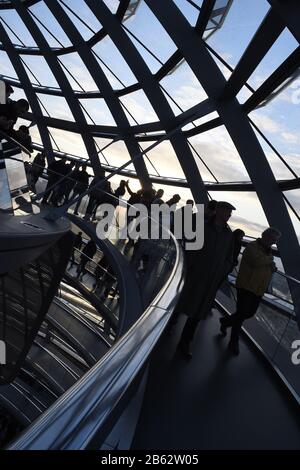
pixel 265 123
pixel 219 153
pixel 290 137
pixel 140 107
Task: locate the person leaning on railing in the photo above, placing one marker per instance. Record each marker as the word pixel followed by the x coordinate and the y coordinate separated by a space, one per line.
pixel 37 168
pixel 80 186
pixel 256 269
pixel 10 112
pixel 87 253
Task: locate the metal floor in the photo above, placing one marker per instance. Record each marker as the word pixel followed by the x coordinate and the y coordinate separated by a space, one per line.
pixel 214 401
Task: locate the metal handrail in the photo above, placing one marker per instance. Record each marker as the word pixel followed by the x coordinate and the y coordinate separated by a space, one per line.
pixel 287 276
pixel 90 260
pixel 85 412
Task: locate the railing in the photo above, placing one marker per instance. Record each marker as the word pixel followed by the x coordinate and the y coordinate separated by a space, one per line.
pixel 274 328
pixel 159 267
pixel 84 415
pixel 104 391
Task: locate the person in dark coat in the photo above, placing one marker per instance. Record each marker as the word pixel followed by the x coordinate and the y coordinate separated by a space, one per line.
pixel 81 186
pixel 238 236
pixel 87 253
pixel 55 171
pixel 37 168
pixel 205 268
pixel 10 112
pixel 210 209
pixel 76 246
pixel 22 135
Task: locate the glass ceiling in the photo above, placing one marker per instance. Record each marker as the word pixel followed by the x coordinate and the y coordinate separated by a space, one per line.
pixel 100 71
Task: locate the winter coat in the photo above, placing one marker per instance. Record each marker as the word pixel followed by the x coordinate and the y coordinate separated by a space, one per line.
pixel 205 268
pixel 256 268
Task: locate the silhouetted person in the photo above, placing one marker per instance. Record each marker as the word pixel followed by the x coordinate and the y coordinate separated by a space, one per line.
pixel 8 91
pixel 81 186
pixel 37 168
pixel 182 212
pixel 22 135
pixel 87 253
pixel 121 189
pixel 76 246
pixel 205 269
pixel 55 171
pixel 173 201
pixel 158 197
pixel 238 236
pixel 104 276
pixel 95 196
pixel 10 112
pixel 210 209
pixel 256 269
pixel 135 197
pixel 71 181
pixel 59 191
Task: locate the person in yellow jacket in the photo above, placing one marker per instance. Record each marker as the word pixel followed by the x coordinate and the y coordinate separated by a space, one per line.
pixel 256 269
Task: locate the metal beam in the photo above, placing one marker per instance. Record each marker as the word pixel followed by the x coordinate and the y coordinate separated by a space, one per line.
pixel 28 89
pixel 269 30
pixel 103 84
pixel 154 94
pixel 279 76
pixel 240 131
pixel 289 12
pixel 207 8
pixel 63 82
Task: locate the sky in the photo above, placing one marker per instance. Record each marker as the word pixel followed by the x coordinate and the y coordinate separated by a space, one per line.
pixel 279 120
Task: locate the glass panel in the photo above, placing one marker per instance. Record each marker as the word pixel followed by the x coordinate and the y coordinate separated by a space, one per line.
pixel 189 11
pixel 49 26
pixel 240 25
pixel 248 216
pixel 164 160
pixel 183 86
pixel 56 107
pixel 117 154
pixel 116 69
pixel 82 11
pixel 79 77
pixel 97 112
pixel 293 198
pixel 6 66
pixel 138 108
pixel 145 26
pixel 278 120
pixel 38 71
pixel 280 50
pixel 219 153
pixel 112 5
pixel 69 142
pixel 18 33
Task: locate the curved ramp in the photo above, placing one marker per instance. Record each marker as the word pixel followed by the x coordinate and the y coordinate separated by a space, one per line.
pixel 215 401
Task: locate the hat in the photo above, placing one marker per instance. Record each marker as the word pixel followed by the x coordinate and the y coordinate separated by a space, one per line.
pixel 225 205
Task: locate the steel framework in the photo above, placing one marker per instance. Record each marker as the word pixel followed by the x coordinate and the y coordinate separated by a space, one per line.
pixel 190 47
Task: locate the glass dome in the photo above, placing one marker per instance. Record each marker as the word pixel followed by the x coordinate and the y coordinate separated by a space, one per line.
pixel 197 97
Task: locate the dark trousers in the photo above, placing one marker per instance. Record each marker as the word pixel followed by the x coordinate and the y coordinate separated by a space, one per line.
pixel 246 307
pixel 189 330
